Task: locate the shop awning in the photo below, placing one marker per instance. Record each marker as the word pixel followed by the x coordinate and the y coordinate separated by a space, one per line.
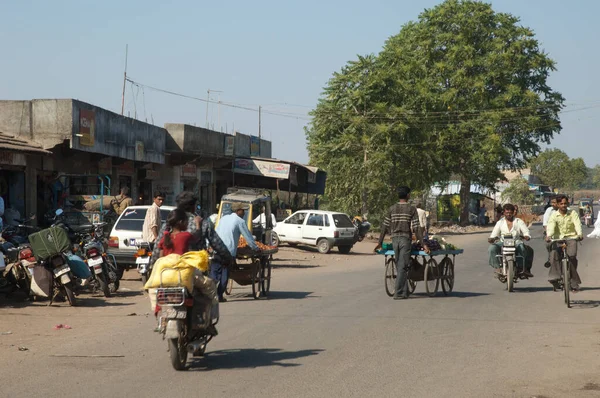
pixel 8 142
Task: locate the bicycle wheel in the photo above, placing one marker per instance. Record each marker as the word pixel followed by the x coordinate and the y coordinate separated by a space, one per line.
pixel 566 281
pixel 431 277
pixel 447 280
pixel 390 276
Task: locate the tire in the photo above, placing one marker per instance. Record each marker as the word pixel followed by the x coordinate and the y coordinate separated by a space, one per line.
pixel 510 275
pixel 178 354
pixel 566 281
pixel 274 239
pixel 323 246
pixel 360 238
pixel 256 276
pixel 431 277
pixel 412 285
pixel 390 276
pixel 70 295
pixel 345 249
pixel 103 282
pixel 447 281
pixel 266 277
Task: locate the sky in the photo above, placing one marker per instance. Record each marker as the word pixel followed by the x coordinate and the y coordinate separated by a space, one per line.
pixel 275 54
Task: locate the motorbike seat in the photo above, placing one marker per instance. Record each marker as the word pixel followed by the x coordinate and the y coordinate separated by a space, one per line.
pixel 82 228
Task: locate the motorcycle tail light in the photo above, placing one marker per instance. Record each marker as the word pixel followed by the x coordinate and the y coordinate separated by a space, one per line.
pixel 113 241
pixel 189 302
pixel 93 253
pixel 25 254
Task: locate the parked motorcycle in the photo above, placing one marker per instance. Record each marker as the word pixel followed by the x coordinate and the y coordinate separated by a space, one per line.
pixel 142 260
pixel 17 233
pixel 14 271
pixel 362 227
pixel 104 276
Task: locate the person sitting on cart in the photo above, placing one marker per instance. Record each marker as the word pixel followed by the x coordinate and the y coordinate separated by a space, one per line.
pixel 564 223
pixel 229 230
pixel 510 225
pixel 401 221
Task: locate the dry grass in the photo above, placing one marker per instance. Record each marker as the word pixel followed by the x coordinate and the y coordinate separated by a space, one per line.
pixel 586 193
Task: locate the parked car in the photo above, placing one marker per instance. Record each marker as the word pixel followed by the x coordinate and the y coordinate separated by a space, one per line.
pixel 323 229
pixel 127 231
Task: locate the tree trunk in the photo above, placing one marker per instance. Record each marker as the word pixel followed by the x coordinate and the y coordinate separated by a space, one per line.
pixel 465 198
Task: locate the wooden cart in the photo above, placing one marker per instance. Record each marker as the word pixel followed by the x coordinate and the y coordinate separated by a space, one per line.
pixel 252 270
pixel 423 268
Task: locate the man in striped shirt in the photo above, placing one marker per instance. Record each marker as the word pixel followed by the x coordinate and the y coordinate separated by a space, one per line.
pixel 401 222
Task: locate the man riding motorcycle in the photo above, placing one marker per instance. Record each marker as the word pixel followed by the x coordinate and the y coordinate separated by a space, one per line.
pixel 509 225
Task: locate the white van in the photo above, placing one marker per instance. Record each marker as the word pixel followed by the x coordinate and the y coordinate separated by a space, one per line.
pixel 323 229
pixel 128 230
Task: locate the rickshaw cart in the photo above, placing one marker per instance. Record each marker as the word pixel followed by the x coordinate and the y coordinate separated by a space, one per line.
pixel 423 267
pixel 251 268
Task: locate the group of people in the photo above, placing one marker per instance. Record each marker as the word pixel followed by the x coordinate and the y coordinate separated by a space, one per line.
pixel 559 222
pixel 184 231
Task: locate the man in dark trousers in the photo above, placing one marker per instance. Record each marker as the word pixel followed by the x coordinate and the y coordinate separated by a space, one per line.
pixel 401 221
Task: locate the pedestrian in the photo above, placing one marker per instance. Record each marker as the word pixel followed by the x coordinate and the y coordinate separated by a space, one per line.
pixel 230 227
pixel 482 213
pixel 401 221
pixel 152 221
pixel 422 214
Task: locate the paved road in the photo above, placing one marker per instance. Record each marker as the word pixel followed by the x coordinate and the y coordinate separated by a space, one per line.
pixel 328 330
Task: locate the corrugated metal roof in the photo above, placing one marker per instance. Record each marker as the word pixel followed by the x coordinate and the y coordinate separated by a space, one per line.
pixel 17 144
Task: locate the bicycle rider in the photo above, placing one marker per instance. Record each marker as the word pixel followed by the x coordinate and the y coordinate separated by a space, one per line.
pixel 509 225
pixel 564 223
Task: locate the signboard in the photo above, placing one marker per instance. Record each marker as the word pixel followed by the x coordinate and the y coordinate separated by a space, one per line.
pixel 262 168
pixel 87 126
pixel 188 171
pixel 229 143
pixel 105 166
pixel 126 169
pixel 254 146
pixel 12 158
pixel 139 151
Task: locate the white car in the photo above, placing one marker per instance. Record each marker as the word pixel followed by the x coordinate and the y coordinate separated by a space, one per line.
pixel 128 230
pixel 323 229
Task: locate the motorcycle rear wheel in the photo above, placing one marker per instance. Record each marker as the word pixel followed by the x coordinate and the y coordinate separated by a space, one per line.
pixel 70 295
pixel 510 275
pixel 178 353
pixel 103 282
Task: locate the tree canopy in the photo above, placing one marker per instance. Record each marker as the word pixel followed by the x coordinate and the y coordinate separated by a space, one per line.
pixel 518 192
pixel 555 168
pixel 463 90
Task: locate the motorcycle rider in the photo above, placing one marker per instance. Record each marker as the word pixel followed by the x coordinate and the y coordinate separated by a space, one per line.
pixel 509 225
pixel 564 223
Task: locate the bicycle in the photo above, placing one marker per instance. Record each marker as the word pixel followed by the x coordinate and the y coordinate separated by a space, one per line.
pixel 565 282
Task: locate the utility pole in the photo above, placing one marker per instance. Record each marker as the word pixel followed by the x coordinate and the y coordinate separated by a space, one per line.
pixel 259 135
pixel 124 81
pixel 208 101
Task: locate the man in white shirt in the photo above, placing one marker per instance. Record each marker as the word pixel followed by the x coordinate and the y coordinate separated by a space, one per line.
pixel 262 219
pixel 509 225
pixel 422 214
pixel 152 221
pixel 553 207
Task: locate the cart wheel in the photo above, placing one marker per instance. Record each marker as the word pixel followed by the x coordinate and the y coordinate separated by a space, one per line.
pixel 229 287
pixel 447 279
pixel 256 273
pixel 390 276
pixel 431 277
pixel 266 276
pixel 412 285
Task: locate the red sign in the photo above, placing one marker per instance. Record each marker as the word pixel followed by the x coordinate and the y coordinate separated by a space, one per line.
pixel 87 125
pixel 126 168
pixel 188 170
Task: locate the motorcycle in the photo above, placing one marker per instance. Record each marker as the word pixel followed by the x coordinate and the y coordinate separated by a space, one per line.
pixel 186 321
pixel 587 220
pixel 104 273
pixel 362 227
pixel 142 260
pixel 15 275
pixel 512 264
pixel 17 233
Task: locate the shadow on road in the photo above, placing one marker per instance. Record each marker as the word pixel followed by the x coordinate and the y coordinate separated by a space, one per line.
pixel 273 295
pixel 295 266
pixel 249 358
pixel 547 289
pixel 453 294
pixel 583 304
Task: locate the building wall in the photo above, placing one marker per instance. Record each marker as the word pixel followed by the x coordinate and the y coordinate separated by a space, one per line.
pixel 242 145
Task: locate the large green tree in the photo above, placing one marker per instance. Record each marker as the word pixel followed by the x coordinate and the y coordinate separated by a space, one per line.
pixel 518 192
pixel 463 91
pixel 555 168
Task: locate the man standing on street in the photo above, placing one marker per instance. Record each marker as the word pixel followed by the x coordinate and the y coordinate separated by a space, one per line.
pixel 401 222
pixel 422 219
pixel 152 221
pixel 229 230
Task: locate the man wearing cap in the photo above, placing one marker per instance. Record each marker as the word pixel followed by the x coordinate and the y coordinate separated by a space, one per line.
pixel 401 221
pixel 229 230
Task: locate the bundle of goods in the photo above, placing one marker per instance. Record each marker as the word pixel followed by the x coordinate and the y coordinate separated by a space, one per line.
pixel 433 245
pixel 245 250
